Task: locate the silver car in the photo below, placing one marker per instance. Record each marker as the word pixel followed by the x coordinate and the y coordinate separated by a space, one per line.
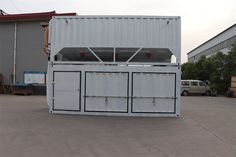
pixel 194 87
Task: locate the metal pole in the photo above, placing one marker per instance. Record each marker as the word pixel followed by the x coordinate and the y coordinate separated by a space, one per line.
pixel 14 54
pixel 114 54
pixel 134 55
pixel 94 54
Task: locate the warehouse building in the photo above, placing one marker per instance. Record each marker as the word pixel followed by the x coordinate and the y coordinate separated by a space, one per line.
pixel 222 42
pixel 22 56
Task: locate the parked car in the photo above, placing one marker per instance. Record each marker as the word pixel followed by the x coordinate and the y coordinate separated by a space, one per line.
pixel 194 87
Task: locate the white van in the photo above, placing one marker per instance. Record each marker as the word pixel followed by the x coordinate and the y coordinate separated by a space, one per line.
pixel 194 87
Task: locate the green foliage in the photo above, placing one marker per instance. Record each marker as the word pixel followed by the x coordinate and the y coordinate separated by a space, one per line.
pixel 217 69
pixel 188 71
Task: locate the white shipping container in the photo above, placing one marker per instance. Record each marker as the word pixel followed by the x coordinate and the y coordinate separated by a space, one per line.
pixel 114 65
pixel 115 31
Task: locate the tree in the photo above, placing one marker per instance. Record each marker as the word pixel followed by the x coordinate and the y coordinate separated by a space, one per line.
pixel 204 68
pixel 230 64
pixel 188 71
pixel 217 75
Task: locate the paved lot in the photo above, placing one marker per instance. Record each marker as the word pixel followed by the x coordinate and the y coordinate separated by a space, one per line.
pixel 207 128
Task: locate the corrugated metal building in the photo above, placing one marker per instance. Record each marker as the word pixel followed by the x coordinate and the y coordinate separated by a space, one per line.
pixel 21 45
pixel 221 42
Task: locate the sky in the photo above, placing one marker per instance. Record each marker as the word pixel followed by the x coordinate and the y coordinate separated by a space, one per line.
pixel 200 19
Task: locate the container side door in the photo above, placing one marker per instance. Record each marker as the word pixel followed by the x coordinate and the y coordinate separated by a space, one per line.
pixel 66 91
pixel 153 93
pixel 106 92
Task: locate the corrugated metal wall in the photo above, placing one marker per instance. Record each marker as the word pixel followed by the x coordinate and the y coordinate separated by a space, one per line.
pixel 213 42
pixel 116 31
pixel 6 50
pixel 29 56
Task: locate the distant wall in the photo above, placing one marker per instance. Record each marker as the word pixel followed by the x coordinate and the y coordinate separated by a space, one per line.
pixel 29 56
pixel 6 50
pixel 220 47
pixel 220 42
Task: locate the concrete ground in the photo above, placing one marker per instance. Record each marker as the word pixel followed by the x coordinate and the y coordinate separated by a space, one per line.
pixel 207 128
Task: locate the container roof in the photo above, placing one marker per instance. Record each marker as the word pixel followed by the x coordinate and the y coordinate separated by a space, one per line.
pixel 32 16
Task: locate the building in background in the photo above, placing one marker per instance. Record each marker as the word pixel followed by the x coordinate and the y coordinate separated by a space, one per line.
pixel 222 42
pixel 22 56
